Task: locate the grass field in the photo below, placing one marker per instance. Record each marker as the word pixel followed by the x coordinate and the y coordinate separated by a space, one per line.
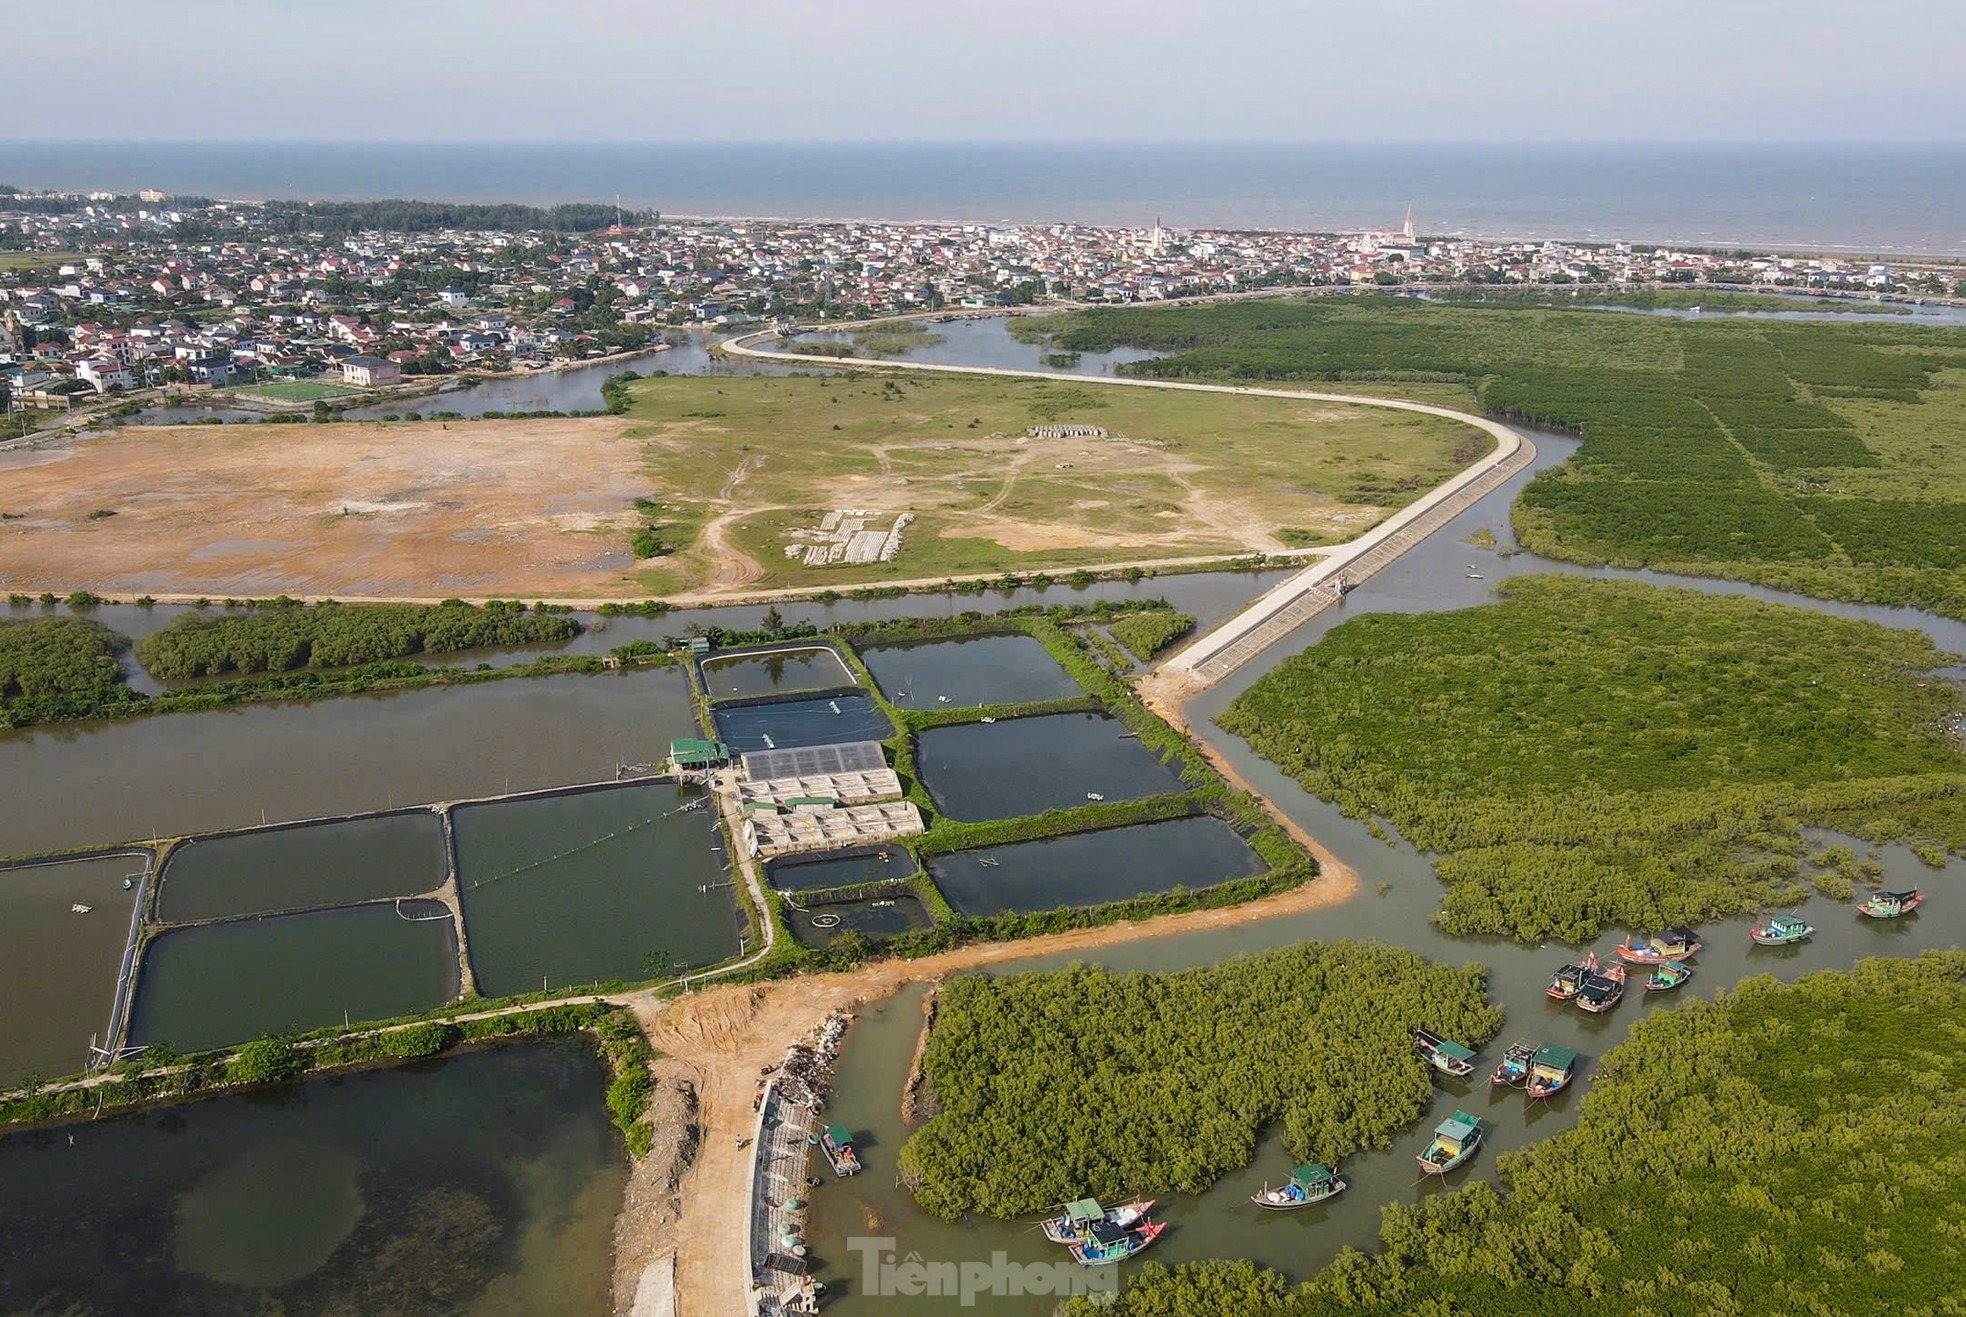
pixel 298 391
pixel 11 261
pixel 739 464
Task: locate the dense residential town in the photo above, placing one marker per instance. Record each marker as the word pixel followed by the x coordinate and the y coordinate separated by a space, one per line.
pixel 102 293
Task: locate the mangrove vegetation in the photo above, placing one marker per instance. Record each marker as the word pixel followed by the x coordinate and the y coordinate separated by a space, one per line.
pixel 286 635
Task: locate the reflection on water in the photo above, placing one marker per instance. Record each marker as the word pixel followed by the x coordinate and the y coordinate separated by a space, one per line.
pixel 1093 868
pixel 1020 766
pixel 969 672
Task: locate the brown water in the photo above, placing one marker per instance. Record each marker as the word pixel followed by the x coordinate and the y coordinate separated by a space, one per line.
pixel 58 967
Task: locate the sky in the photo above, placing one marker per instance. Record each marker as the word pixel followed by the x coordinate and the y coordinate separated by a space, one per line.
pixel 1002 70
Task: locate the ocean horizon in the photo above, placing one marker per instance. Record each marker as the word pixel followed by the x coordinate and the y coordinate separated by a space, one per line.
pixel 1886 198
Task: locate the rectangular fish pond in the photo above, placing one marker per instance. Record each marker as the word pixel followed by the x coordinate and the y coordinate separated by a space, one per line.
pixel 872 917
pixel 59 965
pixel 813 873
pixel 1092 868
pixel 1019 766
pixel 969 671
pixel 790 724
pixel 213 985
pixel 774 672
pixel 483 1182
pixel 585 886
pixel 311 864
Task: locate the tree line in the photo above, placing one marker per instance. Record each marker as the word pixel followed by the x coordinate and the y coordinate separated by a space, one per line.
pixel 284 637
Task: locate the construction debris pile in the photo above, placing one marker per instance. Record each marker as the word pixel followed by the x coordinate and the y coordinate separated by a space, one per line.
pixel 850 537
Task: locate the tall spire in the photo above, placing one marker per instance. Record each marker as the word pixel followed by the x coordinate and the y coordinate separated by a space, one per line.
pixel 1409 224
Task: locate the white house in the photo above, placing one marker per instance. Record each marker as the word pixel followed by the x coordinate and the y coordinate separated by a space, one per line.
pixel 370 372
pixel 105 373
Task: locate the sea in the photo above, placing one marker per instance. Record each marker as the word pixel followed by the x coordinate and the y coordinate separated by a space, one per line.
pixel 1888 199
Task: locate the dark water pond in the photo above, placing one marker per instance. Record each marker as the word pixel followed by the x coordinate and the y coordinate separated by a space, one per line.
pixel 881 916
pixel 484 1183
pixel 808 667
pixel 58 966
pixel 587 886
pixel 791 724
pixel 313 864
pixel 839 869
pixel 966 673
pixel 218 984
pixel 1091 868
pixel 1019 766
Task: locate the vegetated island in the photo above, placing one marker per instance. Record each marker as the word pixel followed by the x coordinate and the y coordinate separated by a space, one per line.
pixel 1591 752
pixel 1165 1081
pixel 286 635
pixel 1730 1157
pixel 1795 454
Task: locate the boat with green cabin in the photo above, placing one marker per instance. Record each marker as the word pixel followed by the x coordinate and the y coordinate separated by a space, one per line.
pixel 1455 1140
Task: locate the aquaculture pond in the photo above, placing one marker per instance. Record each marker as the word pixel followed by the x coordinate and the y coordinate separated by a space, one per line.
pixel 1092 868
pixel 585 886
pixel 968 672
pixel 792 724
pixel 59 965
pixel 874 917
pixel 1018 766
pixel 290 868
pixel 102 783
pixel 483 1183
pixel 213 985
pixel 774 671
pixel 812 873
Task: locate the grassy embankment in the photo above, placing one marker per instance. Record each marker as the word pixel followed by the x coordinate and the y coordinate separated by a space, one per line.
pixel 1590 752
pixel 1184 1070
pixel 1807 456
pixel 1785 1149
pixel 1188 475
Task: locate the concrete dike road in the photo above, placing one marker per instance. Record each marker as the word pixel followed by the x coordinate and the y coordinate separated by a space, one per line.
pixel 1291 603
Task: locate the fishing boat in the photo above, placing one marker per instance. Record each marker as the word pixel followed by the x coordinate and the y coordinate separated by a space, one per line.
pixel 1781 931
pixel 1306 1187
pixel 1890 905
pixel 1668 976
pixel 1551 1071
pixel 1444 1055
pixel 1076 1221
pixel 1455 1140
pixel 1514 1070
pixel 1107 1243
pixel 1568 980
pixel 1673 944
pixel 1603 990
pixel 836 1141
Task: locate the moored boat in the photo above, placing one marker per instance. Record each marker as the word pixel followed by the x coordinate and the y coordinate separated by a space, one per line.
pixel 1603 990
pixel 836 1141
pixel 1551 1071
pixel 1568 980
pixel 1668 976
pixel 1890 905
pixel 1107 1243
pixel 1306 1187
pixel 1076 1221
pixel 1455 1140
pixel 1444 1055
pixel 1673 944
pixel 1781 931
pixel 1514 1070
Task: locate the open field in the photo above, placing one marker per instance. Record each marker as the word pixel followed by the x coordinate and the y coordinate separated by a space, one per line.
pixel 741 464
pixel 298 390
pixel 534 508
pixel 10 261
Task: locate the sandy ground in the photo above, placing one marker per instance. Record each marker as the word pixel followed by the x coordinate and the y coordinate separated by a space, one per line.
pixel 721 1039
pixel 475 509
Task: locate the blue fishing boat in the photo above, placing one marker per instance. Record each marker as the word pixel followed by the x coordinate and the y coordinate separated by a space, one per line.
pixel 1781 931
pixel 1455 1140
pixel 1306 1187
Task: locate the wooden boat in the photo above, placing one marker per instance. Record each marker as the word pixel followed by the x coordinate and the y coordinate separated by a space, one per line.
pixel 836 1141
pixel 1673 944
pixel 1781 931
pixel 1551 1071
pixel 1444 1055
pixel 1306 1187
pixel 1107 1243
pixel 1890 905
pixel 1603 990
pixel 1079 1216
pixel 1514 1070
pixel 1668 976
pixel 1455 1140
pixel 1568 980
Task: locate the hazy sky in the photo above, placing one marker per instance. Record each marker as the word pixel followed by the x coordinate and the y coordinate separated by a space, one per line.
pixel 1152 70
